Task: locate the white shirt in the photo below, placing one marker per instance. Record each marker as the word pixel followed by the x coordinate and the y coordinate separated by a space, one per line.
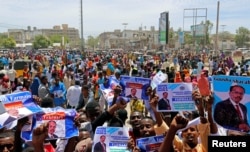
pixel 73 94
pixel 11 74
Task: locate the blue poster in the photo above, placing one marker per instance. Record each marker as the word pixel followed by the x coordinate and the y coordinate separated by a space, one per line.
pixel 60 123
pixel 16 106
pixel 136 87
pixel 111 139
pixel 232 102
pixel 175 97
pixel 150 144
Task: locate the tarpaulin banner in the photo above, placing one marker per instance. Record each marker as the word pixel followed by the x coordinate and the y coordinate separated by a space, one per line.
pixel 16 106
pixel 150 144
pixel 175 97
pixel 110 139
pixel 232 102
pixel 60 123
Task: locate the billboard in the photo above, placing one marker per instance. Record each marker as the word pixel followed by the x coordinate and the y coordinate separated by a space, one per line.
pixel 199 30
pixel 163 28
pixel 181 37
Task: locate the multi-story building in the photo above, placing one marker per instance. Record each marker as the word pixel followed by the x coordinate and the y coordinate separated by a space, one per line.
pixel 28 35
pixel 130 39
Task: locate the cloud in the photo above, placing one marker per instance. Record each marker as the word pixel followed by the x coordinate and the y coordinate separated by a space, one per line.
pixel 108 15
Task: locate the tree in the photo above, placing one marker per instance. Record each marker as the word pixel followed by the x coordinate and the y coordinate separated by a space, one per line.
pixel 9 43
pixel 92 41
pixel 58 39
pixel 41 42
pixel 242 37
pixel 2 38
pixel 208 29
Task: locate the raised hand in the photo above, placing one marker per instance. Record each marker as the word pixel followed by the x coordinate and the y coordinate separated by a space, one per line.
pixel 179 122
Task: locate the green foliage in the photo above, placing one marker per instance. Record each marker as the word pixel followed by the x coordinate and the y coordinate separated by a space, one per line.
pixel 41 42
pixel 188 39
pixel 9 43
pixel 242 37
pixel 92 41
pixel 58 39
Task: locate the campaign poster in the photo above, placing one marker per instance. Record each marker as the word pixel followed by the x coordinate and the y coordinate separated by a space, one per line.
pixel 110 139
pixel 175 97
pixel 16 106
pixel 231 108
pixel 150 144
pixel 158 79
pixel 108 89
pixel 60 123
pixel 136 87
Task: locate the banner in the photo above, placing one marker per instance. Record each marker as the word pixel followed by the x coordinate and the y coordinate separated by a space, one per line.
pixel 158 79
pixel 150 144
pixel 16 106
pixel 175 97
pixel 232 102
pixel 110 139
pixel 108 89
pixel 136 87
pixel 60 123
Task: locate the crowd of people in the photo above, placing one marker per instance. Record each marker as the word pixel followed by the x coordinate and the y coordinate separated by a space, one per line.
pixel 72 81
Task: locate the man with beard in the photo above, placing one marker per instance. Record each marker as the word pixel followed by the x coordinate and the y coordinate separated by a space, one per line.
pixel 230 113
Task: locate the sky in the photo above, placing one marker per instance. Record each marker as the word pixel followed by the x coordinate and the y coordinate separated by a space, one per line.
pixel 107 15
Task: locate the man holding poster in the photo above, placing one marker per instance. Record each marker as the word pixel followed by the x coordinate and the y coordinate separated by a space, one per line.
pixel 230 113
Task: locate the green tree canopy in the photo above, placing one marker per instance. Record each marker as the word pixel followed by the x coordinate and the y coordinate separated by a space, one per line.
pixel 92 41
pixel 9 43
pixel 41 42
pixel 242 37
pixel 58 39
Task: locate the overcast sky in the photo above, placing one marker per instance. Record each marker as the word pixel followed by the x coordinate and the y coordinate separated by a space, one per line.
pixel 107 15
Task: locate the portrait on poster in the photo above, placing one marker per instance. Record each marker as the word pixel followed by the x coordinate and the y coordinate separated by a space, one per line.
pixel 231 107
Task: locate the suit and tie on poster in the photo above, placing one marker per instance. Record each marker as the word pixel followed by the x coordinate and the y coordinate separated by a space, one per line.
pixel 232 102
pixel 60 123
pixel 175 97
pixel 110 139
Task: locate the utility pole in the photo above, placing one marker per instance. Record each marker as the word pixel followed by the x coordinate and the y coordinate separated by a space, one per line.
pixel 82 38
pixel 125 25
pixel 222 36
pixel 217 27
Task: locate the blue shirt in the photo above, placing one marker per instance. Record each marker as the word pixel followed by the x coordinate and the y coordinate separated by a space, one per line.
pixel 59 93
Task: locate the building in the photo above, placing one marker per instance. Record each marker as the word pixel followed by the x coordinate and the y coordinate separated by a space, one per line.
pixel 130 39
pixel 28 35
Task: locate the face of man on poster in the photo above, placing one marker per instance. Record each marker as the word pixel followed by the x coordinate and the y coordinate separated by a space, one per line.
pixel 237 94
pixel 52 127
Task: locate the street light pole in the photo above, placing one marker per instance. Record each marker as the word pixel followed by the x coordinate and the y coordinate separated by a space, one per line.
pixel 222 36
pixel 125 25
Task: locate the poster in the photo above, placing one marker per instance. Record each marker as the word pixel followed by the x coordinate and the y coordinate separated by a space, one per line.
pixel 175 97
pixel 231 108
pixel 158 79
pixel 136 87
pixel 108 90
pixel 150 144
pixel 110 139
pixel 60 123
pixel 16 106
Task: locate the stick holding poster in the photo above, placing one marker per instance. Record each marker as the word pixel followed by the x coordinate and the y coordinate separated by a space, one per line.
pixel 175 97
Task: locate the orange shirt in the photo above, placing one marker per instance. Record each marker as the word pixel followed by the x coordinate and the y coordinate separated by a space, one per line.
pixel 90 64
